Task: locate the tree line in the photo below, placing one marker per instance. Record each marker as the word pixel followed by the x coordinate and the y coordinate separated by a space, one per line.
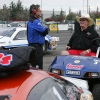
pixel 72 15
pixel 93 14
pixel 16 11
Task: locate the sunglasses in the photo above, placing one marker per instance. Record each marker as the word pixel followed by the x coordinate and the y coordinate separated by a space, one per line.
pixel 82 19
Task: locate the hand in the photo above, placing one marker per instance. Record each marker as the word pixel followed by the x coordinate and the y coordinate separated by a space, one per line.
pixel 68 47
pixel 85 52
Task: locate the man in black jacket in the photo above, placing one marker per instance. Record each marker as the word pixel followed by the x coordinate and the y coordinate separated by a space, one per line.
pixel 80 42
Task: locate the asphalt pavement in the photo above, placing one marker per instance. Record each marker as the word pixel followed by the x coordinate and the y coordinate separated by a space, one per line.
pixel 51 54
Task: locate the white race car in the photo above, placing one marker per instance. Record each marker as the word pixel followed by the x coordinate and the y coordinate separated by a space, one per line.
pixel 17 36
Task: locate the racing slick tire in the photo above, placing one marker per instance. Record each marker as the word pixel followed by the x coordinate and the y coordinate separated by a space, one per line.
pixel 45 47
pixel 96 92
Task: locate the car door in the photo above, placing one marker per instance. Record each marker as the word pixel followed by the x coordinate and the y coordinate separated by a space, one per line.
pixel 20 39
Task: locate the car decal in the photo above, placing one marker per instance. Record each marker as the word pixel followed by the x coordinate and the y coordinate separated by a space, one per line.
pixel 5 59
pixel 18 45
pixel 96 61
pixel 70 66
pixel 79 57
pixel 73 72
pixel 77 61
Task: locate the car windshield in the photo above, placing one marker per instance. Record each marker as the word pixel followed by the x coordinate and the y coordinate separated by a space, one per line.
pixel 54 89
pixel 6 32
pixel 47 89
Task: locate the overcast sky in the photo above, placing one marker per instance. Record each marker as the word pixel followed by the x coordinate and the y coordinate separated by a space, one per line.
pixel 75 5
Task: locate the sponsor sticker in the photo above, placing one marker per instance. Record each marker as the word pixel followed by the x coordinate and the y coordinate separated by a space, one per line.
pixel 73 72
pixel 5 59
pixel 70 66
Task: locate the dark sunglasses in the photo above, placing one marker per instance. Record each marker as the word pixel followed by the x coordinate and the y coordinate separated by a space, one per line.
pixel 82 19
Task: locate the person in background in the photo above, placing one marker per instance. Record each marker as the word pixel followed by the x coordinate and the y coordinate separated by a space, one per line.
pixel 76 26
pixel 36 33
pixel 80 42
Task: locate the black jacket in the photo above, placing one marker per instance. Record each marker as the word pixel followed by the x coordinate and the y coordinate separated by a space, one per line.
pixel 16 59
pixel 81 40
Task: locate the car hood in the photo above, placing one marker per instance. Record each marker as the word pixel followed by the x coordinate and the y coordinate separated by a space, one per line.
pixel 3 38
pixel 15 85
pixel 77 63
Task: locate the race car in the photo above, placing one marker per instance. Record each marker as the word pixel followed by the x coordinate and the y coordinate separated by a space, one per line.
pixel 31 84
pixel 17 37
pixel 82 67
pixel 20 81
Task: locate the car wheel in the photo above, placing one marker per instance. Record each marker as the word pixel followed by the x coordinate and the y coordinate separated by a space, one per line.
pixel 96 92
pixel 45 47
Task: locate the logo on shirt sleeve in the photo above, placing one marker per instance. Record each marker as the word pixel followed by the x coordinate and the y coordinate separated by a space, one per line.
pixel 40 24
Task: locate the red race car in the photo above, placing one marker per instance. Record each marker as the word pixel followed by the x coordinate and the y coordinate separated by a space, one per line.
pixel 31 84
